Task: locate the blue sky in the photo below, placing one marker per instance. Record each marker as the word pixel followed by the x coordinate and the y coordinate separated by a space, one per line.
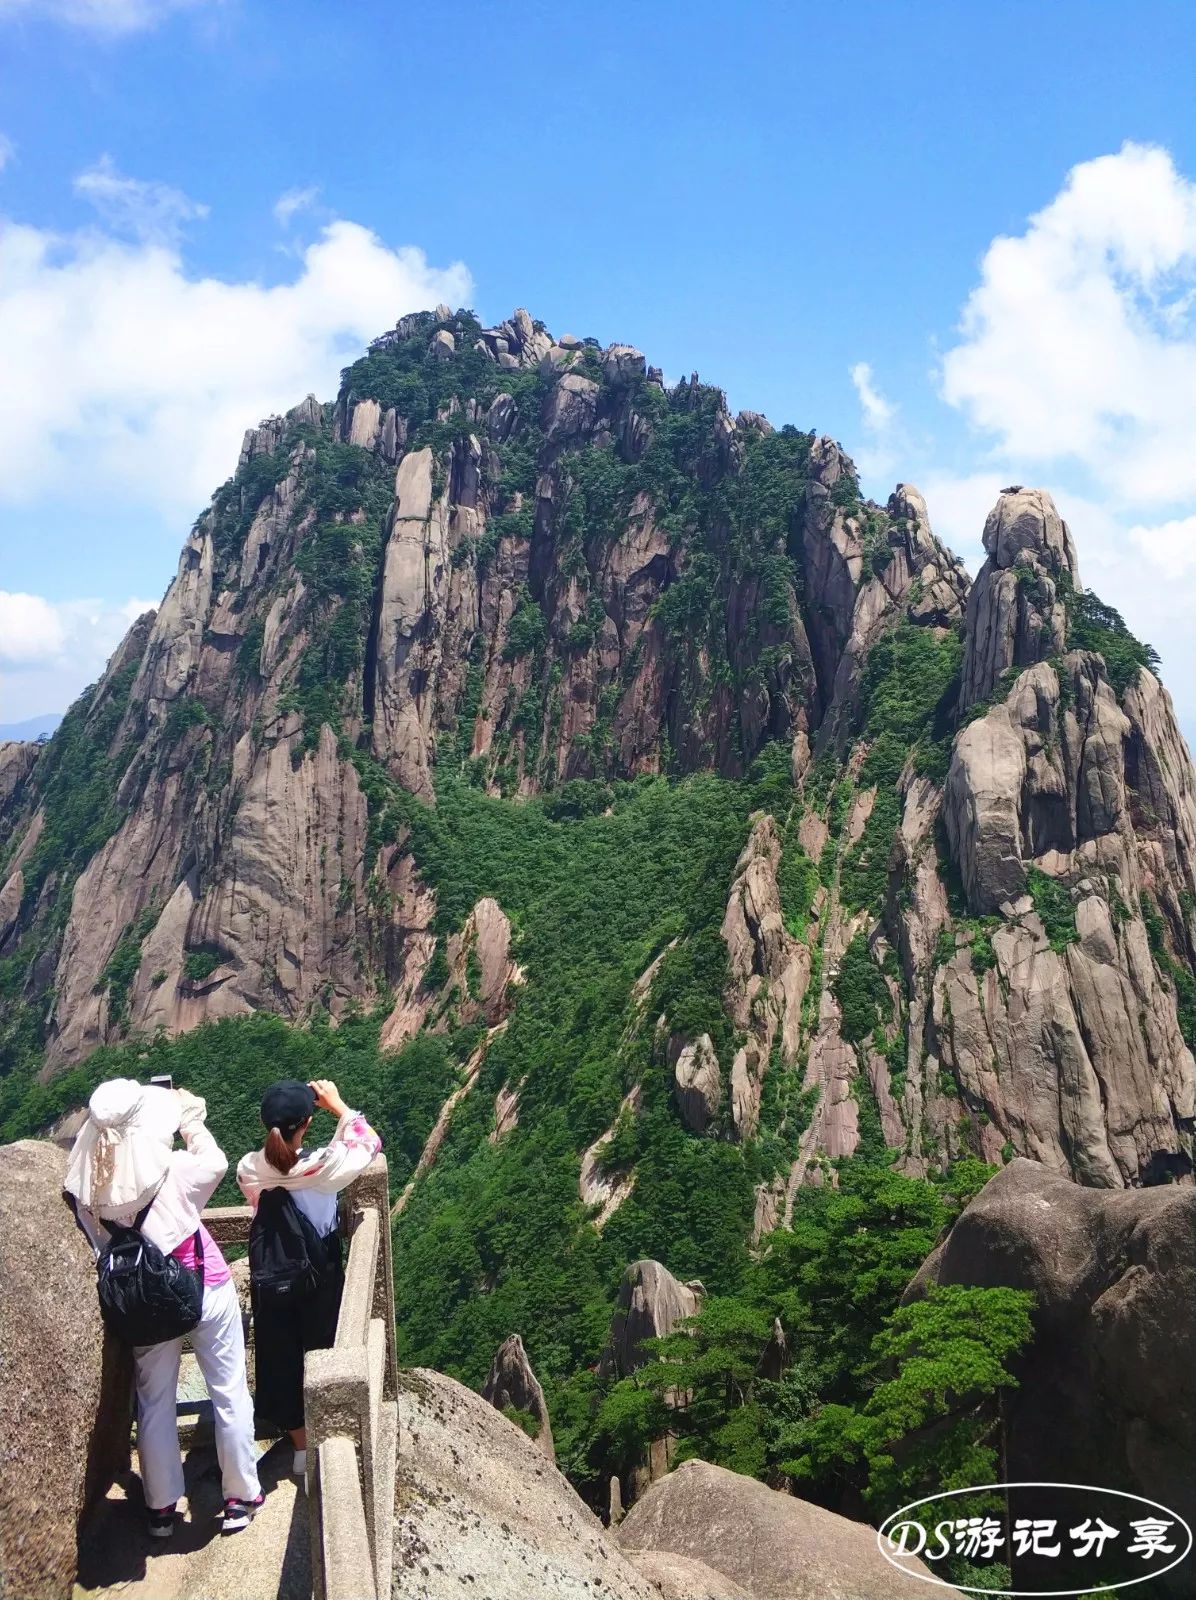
pixel 204 209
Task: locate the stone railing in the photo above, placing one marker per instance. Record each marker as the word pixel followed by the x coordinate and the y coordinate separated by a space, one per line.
pixel 350 1402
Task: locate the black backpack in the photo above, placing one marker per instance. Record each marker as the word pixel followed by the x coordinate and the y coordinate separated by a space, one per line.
pixel 147 1297
pixel 288 1260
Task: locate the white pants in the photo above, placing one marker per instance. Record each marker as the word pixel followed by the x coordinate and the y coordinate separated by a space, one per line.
pixel 219 1344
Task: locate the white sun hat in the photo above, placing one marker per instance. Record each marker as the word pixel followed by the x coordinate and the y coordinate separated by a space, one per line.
pixel 121 1153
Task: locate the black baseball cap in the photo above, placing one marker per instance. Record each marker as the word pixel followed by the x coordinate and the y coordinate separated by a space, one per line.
pixel 286 1104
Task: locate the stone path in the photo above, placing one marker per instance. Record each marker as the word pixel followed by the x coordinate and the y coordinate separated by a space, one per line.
pixel 270 1560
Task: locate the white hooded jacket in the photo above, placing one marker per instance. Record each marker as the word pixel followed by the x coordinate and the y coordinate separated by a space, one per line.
pixel 191 1177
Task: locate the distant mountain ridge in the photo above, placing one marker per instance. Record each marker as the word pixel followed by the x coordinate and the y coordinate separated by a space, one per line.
pixel 31 727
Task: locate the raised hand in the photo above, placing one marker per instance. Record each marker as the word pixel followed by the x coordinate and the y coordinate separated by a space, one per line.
pixel 328 1096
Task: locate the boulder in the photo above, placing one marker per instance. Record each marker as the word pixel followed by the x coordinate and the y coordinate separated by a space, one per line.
pixel 571 407
pixel 1015 612
pixel 478 1510
pixel 58 1448
pixel 307 413
pixel 366 424
pixel 1107 1390
pixel 621 363
pixel 556 360
pixel 394 435
pixel 683 1578
pixel 650 1303
pixel 774 1546
pixel 1025 520
pixel 754 422
pixel 487 934
pixel 982 808
pixel 500 418
pixel 699 1083
pixel 513 1384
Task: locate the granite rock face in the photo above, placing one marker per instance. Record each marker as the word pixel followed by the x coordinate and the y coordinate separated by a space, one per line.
pixel 650 1304
pixel 1072 1036
pixel 512 1383
pixel 360 589
pixel 17 761
pixel 682 1578
pixel 54 1446
pixel 697 1080
pixel 769 973
pixel 478 1509
pixel 1015 612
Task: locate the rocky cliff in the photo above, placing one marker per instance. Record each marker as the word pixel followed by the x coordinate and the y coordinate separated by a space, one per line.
pixel 1108 1382
pixel 61 1441
pixel 962 920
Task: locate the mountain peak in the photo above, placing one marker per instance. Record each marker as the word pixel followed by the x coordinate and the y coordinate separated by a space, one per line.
pixel 517 567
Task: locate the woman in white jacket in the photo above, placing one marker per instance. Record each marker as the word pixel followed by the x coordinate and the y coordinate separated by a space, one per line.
pixel 313 1179
pixel 123 1160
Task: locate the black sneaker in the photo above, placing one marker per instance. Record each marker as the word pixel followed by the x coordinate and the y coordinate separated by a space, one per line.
pixel 239 1514
pixel 161 1523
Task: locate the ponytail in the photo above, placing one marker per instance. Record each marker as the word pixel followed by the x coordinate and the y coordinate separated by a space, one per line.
pixel 279 1153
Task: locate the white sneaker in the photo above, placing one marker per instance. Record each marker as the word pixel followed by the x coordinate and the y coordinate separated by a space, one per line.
pixel 299 1468
pixel 239 1514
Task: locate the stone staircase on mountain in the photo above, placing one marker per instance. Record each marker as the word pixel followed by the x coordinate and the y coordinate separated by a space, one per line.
pixel 330 1538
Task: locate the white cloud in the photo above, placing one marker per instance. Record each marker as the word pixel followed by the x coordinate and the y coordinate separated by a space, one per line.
pixel 880 451
pixel 103 16
pixel 293 201
pixel 958 505
pixel 878 412
pixel 129 381
pixel 1169 546
pixel 35 632
pixel 31 629
pixel 149 211
pixel 50 650
pixel 7 151
pixel 1079 342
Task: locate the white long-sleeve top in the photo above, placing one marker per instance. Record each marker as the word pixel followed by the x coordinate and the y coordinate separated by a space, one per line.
pixel 319 1175
pixel 191 1179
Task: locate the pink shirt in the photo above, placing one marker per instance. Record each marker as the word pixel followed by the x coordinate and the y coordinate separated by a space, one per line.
pixel 215 1267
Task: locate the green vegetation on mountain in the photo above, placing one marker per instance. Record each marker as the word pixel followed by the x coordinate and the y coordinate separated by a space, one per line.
pixel 77 779
pixel 1093 625
pixel 879 1399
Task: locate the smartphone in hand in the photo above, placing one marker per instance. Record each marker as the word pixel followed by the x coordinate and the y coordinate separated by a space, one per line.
pixel 162 1080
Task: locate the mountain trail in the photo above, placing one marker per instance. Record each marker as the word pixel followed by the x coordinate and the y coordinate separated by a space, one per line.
pixel 270 1560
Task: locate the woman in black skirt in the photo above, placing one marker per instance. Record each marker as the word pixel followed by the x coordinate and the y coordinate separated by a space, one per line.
pixel 295 1247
